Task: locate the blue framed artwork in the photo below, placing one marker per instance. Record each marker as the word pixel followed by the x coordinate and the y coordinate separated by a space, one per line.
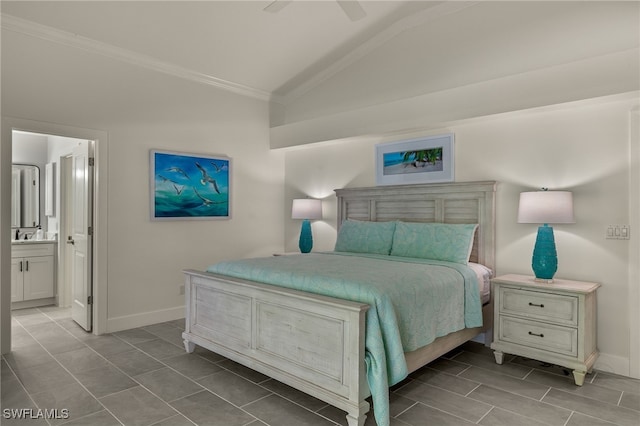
pixel 189 186
pixel 423 160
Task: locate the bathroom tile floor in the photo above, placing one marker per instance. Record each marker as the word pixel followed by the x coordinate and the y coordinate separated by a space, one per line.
pixel 144 377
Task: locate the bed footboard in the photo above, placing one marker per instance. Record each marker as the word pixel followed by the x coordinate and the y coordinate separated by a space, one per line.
pixel 310 342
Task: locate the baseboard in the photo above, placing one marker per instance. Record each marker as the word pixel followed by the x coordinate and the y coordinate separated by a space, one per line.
pixel 33 303
pixel 127 322
pixel 608 363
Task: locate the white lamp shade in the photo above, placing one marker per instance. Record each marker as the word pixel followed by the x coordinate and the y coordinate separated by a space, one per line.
pixel 306 208
pixel 546 207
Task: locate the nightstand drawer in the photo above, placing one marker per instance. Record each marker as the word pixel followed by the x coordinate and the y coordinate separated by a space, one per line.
pixel 538 335
pixel 556 308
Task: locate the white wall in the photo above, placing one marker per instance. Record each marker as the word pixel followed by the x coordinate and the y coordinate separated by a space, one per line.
pixel 581 147
pixel 483 43
pixel 30 149
pixel 139 110
pixel 57 147
pixel 487 58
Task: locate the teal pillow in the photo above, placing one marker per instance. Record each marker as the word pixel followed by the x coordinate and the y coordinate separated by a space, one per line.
pixel 365 237
pixel 436 241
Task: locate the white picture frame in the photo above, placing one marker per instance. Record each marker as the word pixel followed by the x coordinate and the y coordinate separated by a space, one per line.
pixel 428 159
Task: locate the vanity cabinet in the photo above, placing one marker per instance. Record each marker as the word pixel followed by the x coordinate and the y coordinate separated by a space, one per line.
pixel 32 273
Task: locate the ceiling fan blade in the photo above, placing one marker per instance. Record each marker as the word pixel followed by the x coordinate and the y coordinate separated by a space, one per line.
pixel 353 9
pixel 276 6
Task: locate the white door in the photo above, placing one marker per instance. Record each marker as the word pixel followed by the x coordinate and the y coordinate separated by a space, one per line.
pixel 79 235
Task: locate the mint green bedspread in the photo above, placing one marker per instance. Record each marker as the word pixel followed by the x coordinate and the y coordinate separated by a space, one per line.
pixel 412 302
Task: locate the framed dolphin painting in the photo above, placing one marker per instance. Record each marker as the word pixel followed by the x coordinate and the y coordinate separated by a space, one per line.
pixel 189 186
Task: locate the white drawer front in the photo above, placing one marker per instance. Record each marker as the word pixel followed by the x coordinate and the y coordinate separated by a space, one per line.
pixel 552 338
pixel 27 250
pixel 556 308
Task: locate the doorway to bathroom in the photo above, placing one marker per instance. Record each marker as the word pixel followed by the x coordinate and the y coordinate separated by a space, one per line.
pixel 73 260
pixel 64 191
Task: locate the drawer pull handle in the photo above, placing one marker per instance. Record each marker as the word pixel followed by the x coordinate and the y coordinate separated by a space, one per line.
pixel 539 306
pixel 534 334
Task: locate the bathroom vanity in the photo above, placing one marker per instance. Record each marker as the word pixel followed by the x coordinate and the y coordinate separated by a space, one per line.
pixel 33 273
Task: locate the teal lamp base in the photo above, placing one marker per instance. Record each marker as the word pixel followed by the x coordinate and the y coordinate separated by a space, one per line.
pixel 545 257
pixel 306 239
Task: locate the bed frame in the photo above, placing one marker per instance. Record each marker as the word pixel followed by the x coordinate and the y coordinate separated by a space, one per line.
pixel 276 330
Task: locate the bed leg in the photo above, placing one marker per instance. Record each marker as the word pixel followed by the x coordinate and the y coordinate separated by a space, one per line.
pixel 189 346
pixel 356 421
pixel 357 417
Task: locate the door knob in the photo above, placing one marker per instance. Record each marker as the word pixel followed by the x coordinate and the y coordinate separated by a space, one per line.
pixel 70 240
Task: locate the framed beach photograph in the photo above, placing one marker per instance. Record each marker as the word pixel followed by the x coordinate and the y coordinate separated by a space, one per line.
pixel 423 160
pixel 189 186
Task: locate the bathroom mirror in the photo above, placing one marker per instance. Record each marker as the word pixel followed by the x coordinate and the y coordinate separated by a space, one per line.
pixel 25 196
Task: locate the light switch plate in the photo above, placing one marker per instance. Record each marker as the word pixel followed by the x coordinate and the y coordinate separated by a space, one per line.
pixel 617 232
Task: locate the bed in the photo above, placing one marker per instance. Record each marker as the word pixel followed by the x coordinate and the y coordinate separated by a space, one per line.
pixel 276 329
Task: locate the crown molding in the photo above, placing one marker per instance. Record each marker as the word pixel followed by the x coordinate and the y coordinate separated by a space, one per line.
pixel 33 29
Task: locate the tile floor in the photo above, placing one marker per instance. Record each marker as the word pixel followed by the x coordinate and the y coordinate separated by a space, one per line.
pixel 144 377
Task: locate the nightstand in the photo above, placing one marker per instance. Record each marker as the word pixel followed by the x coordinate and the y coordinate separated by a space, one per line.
pixel 554 323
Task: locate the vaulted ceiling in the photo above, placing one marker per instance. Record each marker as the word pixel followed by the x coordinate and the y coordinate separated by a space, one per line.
pixel 233 44
pixel 238 46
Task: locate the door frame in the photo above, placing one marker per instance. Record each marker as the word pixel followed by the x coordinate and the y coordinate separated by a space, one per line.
pixel 634 246
pixel 64 296
pixel 100 211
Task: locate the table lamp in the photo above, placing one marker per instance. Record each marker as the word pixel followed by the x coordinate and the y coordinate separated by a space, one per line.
pixel 306 209
pixel 545 207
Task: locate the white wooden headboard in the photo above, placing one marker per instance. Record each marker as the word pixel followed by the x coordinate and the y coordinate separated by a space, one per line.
pixel 459 202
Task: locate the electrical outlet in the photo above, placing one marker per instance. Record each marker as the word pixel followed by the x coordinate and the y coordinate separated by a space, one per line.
pixel 181 288
pixel 617 232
